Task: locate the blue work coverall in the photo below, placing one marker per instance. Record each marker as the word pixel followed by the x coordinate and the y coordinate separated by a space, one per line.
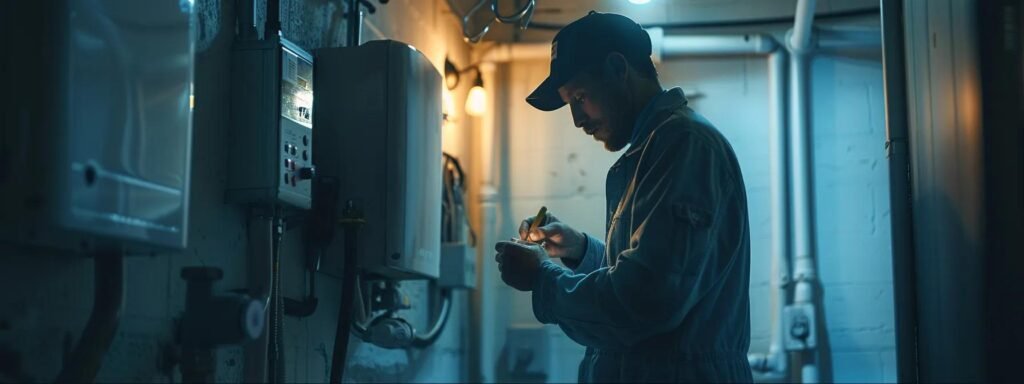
pixel 667 298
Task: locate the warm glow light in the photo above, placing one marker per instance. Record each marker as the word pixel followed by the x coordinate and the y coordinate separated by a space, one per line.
pixel 639 1
pixel 447 105
pixel 476 102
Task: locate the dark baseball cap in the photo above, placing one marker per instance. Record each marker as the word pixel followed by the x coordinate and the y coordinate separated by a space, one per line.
pixel 584 42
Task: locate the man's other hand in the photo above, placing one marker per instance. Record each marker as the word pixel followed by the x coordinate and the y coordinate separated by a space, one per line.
pixel 519 263
pixel 558 239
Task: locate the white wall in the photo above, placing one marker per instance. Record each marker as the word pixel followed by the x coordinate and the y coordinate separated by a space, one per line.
pixel 552 163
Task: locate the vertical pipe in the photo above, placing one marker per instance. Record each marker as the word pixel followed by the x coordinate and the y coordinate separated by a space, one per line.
pixel 800 173
pixel 898 152
pixel 108 300
pixel 799 146
pixel 779 204
pixel 259 279
pixel 246 20
pixel 353 23
pixel 273 25
pixel 803 24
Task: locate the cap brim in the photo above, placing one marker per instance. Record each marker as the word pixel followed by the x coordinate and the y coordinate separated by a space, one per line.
pixel 546 97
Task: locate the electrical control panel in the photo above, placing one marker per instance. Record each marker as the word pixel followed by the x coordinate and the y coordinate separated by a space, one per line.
pixel 271 136
pixel 96 111
pixel 379 136
pixel 458 266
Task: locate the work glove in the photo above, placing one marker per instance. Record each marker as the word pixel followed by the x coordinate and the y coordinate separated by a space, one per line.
pixel 558 239
pixel 519 263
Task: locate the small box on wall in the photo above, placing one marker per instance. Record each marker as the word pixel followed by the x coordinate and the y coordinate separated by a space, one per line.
pixel 458 266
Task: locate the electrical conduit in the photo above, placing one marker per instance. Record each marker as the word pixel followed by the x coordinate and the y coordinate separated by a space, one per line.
pixel 804 273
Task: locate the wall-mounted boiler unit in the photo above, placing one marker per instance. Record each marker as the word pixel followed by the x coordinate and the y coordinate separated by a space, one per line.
pixel 97 123
pixel 379 135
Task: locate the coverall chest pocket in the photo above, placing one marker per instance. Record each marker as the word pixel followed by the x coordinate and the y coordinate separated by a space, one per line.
pixel 692 226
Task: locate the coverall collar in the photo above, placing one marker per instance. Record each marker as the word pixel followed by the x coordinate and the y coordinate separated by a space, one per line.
pixel 668 100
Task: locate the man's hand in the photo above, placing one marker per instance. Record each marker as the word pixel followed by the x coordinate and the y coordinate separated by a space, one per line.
pixel 519 263
pixel 559 239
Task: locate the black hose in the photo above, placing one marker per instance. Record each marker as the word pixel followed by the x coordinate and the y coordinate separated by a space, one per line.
pixel 99 332
pixel 733 23
pixel 442 318
pixel 352 222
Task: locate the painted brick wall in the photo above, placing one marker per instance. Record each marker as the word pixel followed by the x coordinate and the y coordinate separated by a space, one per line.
pixel 554 164
pixel 46 298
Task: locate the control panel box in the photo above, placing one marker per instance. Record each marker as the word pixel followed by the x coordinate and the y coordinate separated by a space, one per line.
pixel 458 266
pixel 95 149
pixel 270 147
pixel 379 136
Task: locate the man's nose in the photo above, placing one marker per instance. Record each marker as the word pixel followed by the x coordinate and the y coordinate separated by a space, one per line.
pixel 578 117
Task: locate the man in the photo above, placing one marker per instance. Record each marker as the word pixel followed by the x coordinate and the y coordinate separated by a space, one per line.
pixel 666 297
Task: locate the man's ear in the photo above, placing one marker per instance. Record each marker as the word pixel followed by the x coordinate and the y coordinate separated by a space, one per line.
pixel 616 66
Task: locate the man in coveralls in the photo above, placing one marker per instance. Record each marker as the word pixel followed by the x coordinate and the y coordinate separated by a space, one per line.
pixel 665 296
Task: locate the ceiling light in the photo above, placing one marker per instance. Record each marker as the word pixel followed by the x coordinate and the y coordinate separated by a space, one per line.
pixel 639 1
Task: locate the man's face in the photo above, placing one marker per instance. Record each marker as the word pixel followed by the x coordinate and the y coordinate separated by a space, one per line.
pixel 600 108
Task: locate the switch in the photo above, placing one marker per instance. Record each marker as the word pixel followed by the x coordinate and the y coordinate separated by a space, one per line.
pixel 287 163
pixel 305 141
pixel 306 173
pixel 304 155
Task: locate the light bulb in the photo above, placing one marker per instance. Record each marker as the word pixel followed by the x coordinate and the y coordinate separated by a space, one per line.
pixel 476 102
pixel 639 1
pixel 447 105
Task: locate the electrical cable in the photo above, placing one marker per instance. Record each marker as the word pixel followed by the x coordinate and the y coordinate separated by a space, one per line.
pixel 352 220
pixel 734 23
pixel 423 341
pixel 276 355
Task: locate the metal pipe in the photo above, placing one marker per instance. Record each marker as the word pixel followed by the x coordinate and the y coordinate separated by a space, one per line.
pixel 516 16
pixel 259 278
pixel 502 53
pixel 750 44
pixel 858 12
pixel 247 20
pixel 99 332
pixel 705 45
pixel 898 153
pixel 353 23
pixel 273 25
pixel 804 272
pixel 831 39
pixel 803 25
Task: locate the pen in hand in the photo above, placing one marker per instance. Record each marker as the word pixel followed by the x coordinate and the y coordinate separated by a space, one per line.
pixel 541 215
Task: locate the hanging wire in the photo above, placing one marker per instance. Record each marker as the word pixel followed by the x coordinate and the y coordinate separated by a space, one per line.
pixel 521 17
